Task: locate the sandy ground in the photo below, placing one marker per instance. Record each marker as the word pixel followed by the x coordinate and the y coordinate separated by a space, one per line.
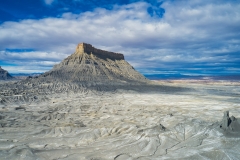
pixel 124 125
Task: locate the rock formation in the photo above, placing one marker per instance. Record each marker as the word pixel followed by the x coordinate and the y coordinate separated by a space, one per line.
pixel 231 124
pixel 86 69
pixel 4 75
pixel 91 65
pixel 89 49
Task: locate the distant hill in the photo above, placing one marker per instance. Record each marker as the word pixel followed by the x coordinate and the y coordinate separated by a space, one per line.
pixel 4 75
pixel 21 76
pixel 25 74
pixel 194 77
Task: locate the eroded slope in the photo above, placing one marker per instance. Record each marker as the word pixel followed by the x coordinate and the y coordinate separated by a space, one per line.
pixel 122 125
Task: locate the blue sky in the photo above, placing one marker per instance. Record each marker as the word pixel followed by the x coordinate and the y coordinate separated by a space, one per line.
pixel 156 36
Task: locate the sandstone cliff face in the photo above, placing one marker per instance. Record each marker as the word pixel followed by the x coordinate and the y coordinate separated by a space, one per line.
pixel 92 65
pixel 4 75
pixel 89 49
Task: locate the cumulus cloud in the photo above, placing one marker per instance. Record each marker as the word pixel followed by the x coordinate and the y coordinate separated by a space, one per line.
pixel 31 56
pixel 34 61
pixel 190 33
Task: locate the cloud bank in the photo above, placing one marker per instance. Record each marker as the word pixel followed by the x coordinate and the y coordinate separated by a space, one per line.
pixel 195 36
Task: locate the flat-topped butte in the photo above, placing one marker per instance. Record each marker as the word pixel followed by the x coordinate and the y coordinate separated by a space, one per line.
pixel 89 49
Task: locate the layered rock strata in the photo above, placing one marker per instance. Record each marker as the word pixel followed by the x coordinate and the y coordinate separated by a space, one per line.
pixel 89 49
pixel 91 65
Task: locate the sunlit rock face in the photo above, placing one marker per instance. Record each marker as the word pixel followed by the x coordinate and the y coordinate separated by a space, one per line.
pixel 89 49
pixel 4 75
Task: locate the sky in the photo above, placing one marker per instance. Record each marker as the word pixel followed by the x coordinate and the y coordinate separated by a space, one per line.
pixel 190 37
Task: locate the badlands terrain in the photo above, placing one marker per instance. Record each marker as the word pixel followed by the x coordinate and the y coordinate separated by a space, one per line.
pixel 95 106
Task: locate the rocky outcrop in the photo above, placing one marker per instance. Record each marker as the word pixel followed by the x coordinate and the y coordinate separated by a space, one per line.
pixel 91 65
pixel 89 49
pixel 230 124
pixel 4 75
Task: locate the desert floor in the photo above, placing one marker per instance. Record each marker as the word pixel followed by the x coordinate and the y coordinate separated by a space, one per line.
pixel 124 124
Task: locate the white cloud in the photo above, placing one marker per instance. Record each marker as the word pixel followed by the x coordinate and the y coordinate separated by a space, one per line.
pixel 24 69
pixel 49 2
pixel 33 55
pixel 189 31
pixel 34 61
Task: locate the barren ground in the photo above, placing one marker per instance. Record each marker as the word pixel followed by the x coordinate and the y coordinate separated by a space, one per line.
pixel 124 125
